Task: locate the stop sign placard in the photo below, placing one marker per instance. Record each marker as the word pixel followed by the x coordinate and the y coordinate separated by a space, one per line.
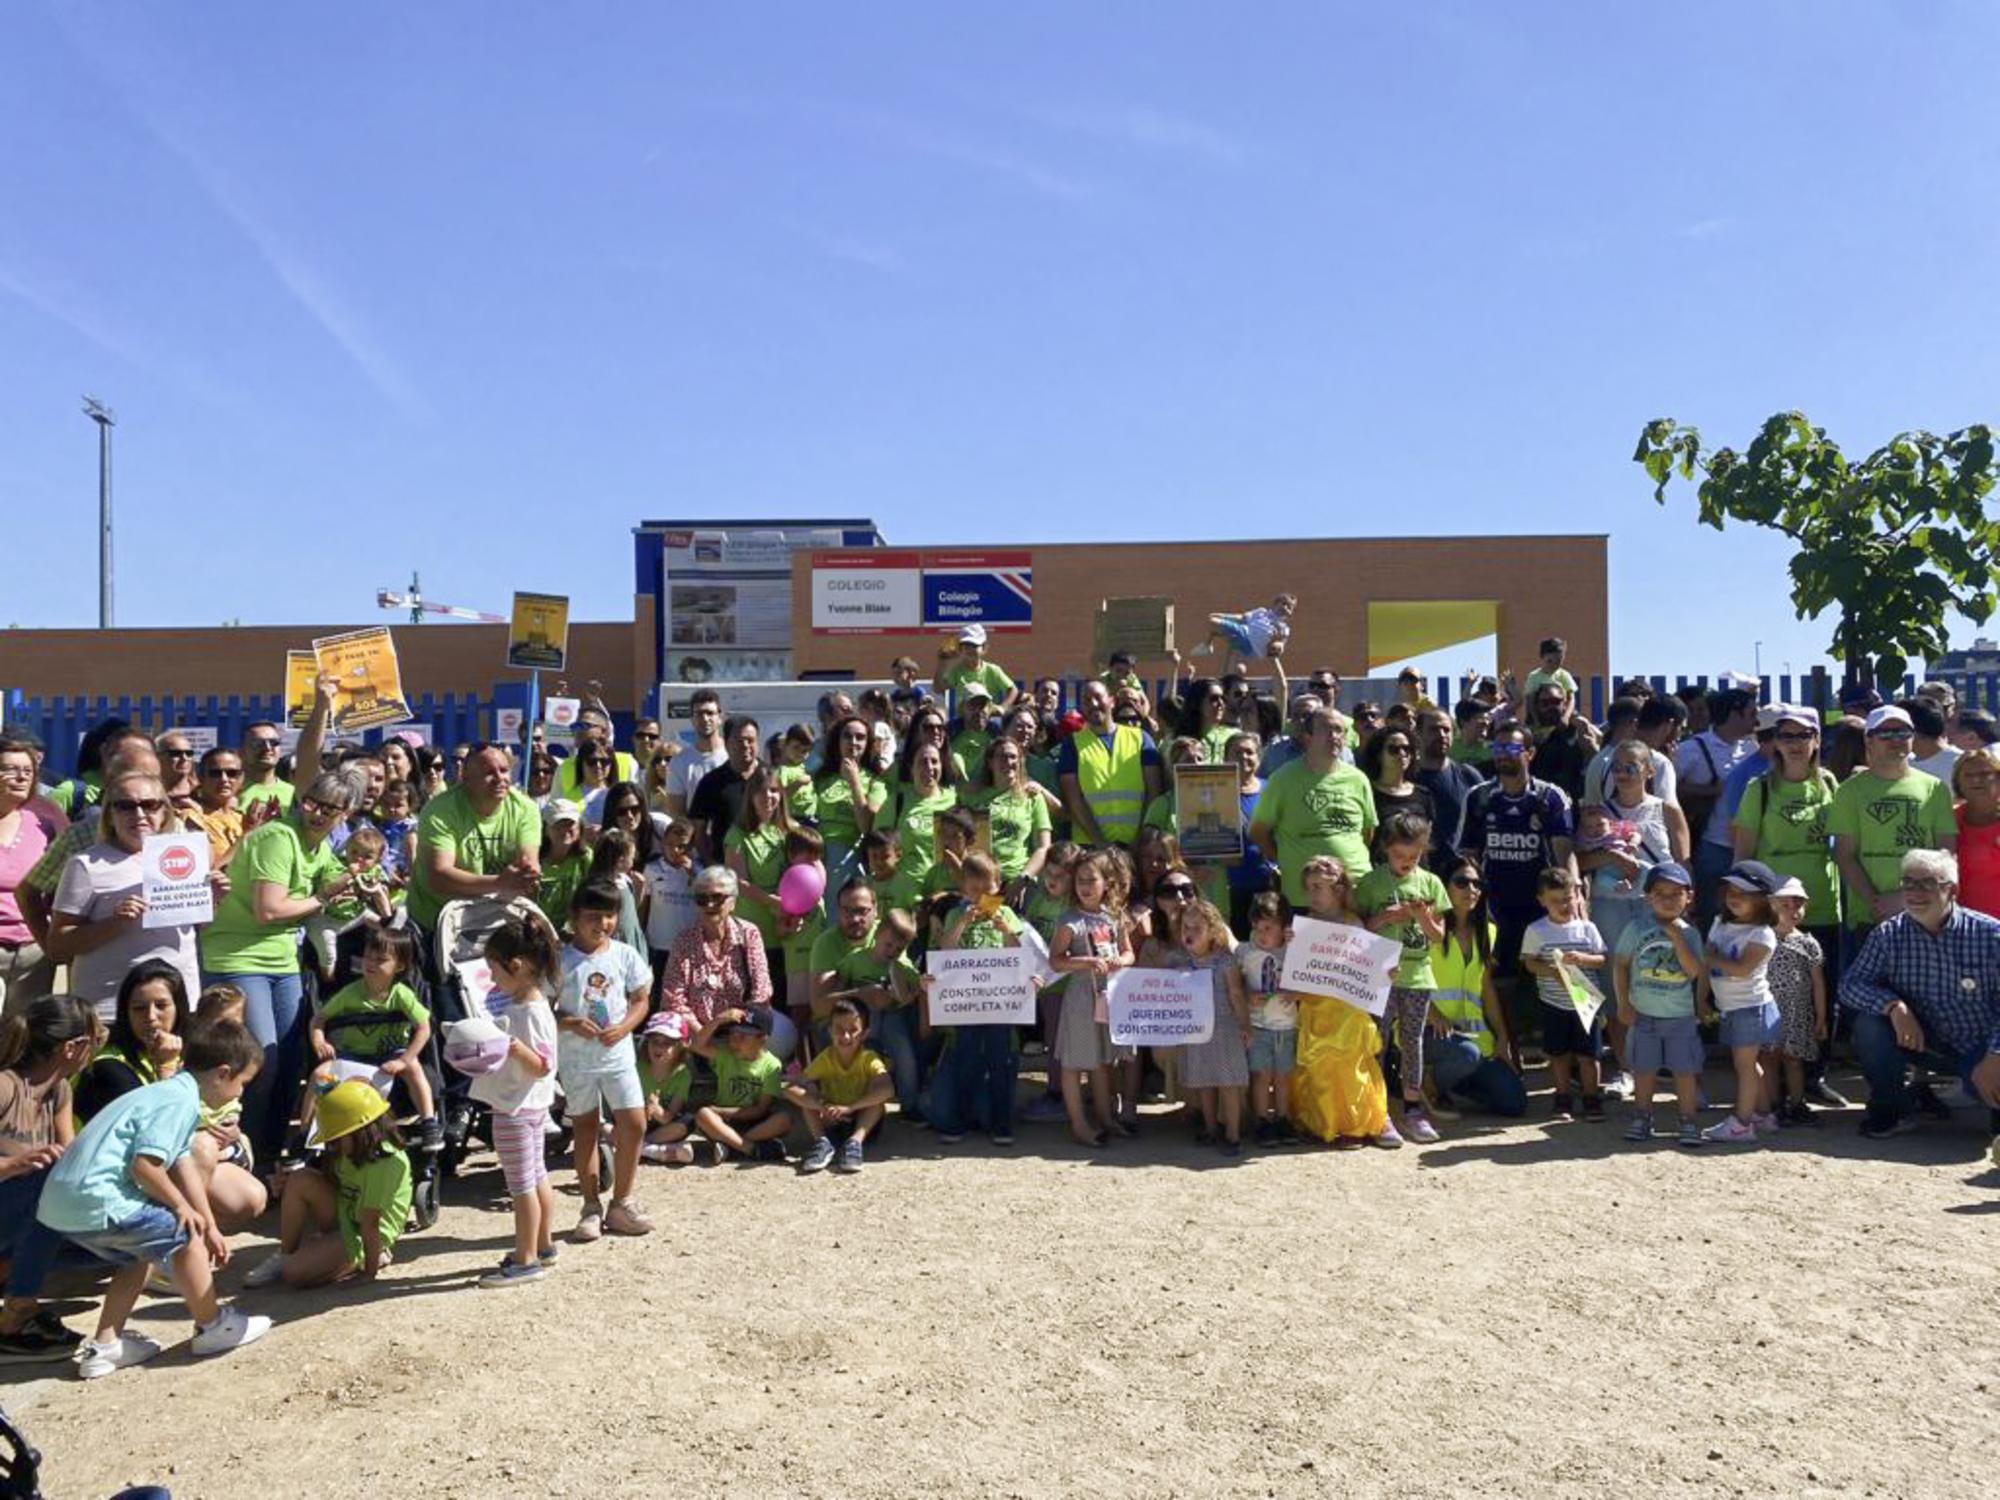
pixel 177 863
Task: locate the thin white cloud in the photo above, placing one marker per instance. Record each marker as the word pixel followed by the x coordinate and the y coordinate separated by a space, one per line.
pixel 64 304
pixel 1149 129
pixel 1021 170
pixel 865 253
pixel 1702 229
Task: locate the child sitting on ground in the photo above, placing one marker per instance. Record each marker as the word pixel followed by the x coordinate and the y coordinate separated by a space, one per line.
pixel 378 1023
pixel 667 1081
pixel 342 1218
pixel 1253 634
pixel 367 901
pixel 842 1094
pixel 604 988
pixel 748 1083
pixel 127 1190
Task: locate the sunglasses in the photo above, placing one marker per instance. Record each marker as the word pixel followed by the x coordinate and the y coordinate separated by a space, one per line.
pixel 1508 750
pixel 266 741
pixel 1796 736
pixel 224 773
pixel 710 900
pixel 1177 891
pixel 646 734
pixel 177 752
pixel 1468 882
pixel 1891 734
pixel 317 808
pixel 149 805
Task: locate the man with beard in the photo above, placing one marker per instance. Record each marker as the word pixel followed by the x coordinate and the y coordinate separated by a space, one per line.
pixel 1449 783
pixel 1564 744
pixel 1316 805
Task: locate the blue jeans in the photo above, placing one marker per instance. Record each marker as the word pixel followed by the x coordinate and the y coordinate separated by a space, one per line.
pixel 29 1245
pixel 1484 1082
pixel 894 1036
pixel 276 1016
pixel 1886 1066
pixel 974 1086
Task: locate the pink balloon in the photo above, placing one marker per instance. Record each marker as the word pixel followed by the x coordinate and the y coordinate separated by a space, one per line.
pixel 800 889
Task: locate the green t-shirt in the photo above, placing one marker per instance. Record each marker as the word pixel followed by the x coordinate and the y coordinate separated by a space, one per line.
pixel 1330 814
pixel 279 791
pixel 836 806
pixel 987 674
pixel 236 942
pixel 377 1040
pixel 65 796
pixel 477 846
pixel 764 859
pixel 560 883
pixel 1215 740
pixel 1887 819
pixel 739 1083
pixel 1789 819
pixel 902 891
pixel 854 964
pixel 992 932
pixel 672 1091
pixel 1382 888
pixel 1015 822
pixel 381 1185
pixel 798 945
pixel 1160 814
pixel 916 822
pixel 800 797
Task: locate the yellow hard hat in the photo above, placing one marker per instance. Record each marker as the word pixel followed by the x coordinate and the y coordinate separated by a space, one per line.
pixel 345 1108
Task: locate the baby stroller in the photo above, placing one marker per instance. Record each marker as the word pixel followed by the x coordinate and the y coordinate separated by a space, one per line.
pixel 465 988
pixel 364 1062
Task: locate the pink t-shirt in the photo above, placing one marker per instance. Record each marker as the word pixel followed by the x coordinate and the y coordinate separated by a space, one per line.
pixel 36 829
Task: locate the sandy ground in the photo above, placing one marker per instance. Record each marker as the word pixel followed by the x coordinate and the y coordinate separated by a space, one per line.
pixel 1535 1310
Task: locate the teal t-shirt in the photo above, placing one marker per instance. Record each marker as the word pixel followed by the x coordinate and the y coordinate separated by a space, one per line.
pixel 236 942
pixel 1658 985
pixel 91 1185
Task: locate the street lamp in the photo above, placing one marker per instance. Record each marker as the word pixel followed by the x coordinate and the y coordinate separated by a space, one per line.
pixel 106 419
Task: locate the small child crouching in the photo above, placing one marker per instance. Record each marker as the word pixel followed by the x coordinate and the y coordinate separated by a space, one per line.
pixel 749 1081
pixel 667 1080
pixel 343 1219
pixel 842 1094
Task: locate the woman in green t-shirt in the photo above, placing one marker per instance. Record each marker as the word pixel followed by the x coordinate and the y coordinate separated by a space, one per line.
pixel 928 726
pixel 927 795
pixel 754 851
pixel 849 793
pixel 1017 819
pixel 1782 821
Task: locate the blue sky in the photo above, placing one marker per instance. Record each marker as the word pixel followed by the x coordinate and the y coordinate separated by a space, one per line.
pixel 473 288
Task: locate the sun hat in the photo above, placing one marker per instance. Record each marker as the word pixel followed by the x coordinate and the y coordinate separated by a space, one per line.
pixel 561 810
pixel 1793 886
pixel 973 635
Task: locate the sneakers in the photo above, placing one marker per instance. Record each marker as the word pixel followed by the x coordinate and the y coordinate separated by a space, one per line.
pixel 819 1158
pixel 1266 1133
pixel 1561 1107
pixel 546 1259
pixel 1003 1137
pixel 267 1272
pixel 510 1272
pixel 1417 1127
pixel 1820 1092
pixel 1768 1123
pixel 232 1329
pixel 1929 1106
pixel 950 1137
pixel 1690 1136
pixel 1593 1108
pixel 94 1360
pixel 1880 1127
pixel 1390 1139
pixel 1230 1148
pixel 627 1218
pixel 667 1153
pixel 42 1337
pixel 1795 1112
pixel 1350 1142
pixel 1730 1131
pixel 852 1159
pixel 430 1135
pixel 590 1225
pixel 772 1151
pixel 1640 1130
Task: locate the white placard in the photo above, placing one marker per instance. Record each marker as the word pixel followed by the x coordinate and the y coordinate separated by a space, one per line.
pixel 1348 963
pixel 981 986
pixel 1044 972
pixel 561 712
pixel 868 598
pixel 507 725
pixel 174 867
pixel 200 737
pixel 1161 1007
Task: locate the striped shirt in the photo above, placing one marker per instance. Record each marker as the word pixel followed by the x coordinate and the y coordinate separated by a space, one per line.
pixel 1950 979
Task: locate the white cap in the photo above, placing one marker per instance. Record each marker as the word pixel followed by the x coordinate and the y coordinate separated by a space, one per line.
pixel 1887 714
pixel 1793 886
pixel 1792 713
pixel 973 635
pixel 561 810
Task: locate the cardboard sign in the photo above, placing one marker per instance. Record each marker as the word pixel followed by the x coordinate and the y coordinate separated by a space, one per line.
pixel 1347 963
pixel 560 713
pixel 538 632
pixel 1208 814
pixel 1583 994
pixel 981 986
pixel 301 668
pixel 1162 1007
pixel 174 870
pixel 371 682
pixel 1144 627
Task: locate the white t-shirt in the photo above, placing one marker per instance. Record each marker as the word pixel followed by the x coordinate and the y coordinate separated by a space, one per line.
pixel 685 770
pixel 597 986
pixel 1729 940
pixel 92 884
pixel 1261 969
pixel 1545 934
pixel 510 1089
pixel 1666 780
pixel 669 903
pixel 1706 760
pixel 1940 763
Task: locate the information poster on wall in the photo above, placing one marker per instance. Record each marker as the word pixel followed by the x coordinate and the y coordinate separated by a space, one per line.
pixel 301 668
pixel 1161 1007
pixel 538 632
pixel 173 873
pixel 1208 814
pixel 726 598
pixel 364 663
pixel 1348 963
pixel 981 986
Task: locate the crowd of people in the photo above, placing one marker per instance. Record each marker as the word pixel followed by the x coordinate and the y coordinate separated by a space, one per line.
pixel 718 946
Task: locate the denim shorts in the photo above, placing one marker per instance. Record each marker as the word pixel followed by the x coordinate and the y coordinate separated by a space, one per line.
pixel 1565 1035
pixel 1272 1051
pixel 1670 1042
pixel 613 1089
pixel 153 1234
pixel 1753 1026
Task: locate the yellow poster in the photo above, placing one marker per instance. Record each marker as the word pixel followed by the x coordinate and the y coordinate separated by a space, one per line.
pixel 538 636
pixel 301 667
pixel 371 684
pixel 1208 814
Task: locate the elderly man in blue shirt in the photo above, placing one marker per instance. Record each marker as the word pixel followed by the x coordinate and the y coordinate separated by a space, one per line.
pixel 1926 986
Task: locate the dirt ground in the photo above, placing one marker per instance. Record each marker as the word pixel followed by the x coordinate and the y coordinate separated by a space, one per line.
pixel 1534 1310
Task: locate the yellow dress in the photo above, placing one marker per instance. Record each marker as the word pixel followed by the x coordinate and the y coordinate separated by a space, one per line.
pixel 1337 1086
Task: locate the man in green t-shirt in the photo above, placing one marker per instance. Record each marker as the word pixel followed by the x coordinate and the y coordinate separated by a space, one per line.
pixel 1882 813
pixel 968 663
pixel 867 962
pixel 1316 804
pixel 483 837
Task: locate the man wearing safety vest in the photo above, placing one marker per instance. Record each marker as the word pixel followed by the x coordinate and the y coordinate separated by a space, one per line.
pixel 1109 772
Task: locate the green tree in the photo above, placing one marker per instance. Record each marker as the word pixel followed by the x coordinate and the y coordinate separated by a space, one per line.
pixel 1896 541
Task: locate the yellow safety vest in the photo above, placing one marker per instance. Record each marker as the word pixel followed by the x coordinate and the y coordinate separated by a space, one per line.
pixel 1461 981
pixel 1113 780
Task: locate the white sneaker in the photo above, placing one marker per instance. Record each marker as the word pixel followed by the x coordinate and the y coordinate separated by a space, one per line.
pixel 232 1329
pixel 95 1360
pixel 267 1272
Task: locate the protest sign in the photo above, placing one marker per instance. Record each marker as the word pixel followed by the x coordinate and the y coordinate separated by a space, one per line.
pixel 981 986
pixel 1143 627
pixel 201 738
pixel 1347 963
pixel 1161 1007
pixel 174 870
pixel 508 725
pixel 1208 814
pixel 1583 994
pixel 560 713
pixel 538 632
pixel 301 667
pixel 1042 971
pixel 371 682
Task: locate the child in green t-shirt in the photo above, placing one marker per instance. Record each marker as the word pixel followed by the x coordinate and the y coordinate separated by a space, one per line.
pixel 796 935
pixel 789 752
pixel 667 1081
pixel 379 1021
pixel 749 1081
pixel 368 900
pixel 342 1219
pixel 565 860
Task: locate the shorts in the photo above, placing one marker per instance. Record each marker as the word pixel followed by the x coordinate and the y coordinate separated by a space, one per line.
pixel 1670 1042
pixel 1273 1051
pixel 1752 1026
pixel 1230 628
pixel 1565 1035
pixel 613 1089
pixel 520 1139
pixel 153 1235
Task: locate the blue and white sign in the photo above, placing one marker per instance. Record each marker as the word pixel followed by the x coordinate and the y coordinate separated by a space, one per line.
pixel 995 589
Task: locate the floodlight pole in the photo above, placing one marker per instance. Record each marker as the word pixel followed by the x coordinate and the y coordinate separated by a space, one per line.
pixel 106 419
